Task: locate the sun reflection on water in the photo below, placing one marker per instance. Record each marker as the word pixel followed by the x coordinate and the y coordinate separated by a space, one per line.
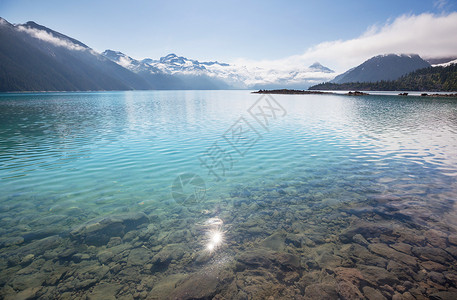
pixel 215 240
pixel 215 235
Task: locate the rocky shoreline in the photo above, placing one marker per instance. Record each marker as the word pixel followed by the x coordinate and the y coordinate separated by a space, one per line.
pixel 350 93
pixel 291 92
pixel 440 95
pixel 306 92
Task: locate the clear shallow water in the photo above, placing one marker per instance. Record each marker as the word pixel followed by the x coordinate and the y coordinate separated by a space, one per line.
pixel 325 164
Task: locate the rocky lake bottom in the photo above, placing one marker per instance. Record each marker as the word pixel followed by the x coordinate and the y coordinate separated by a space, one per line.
pixel 283 242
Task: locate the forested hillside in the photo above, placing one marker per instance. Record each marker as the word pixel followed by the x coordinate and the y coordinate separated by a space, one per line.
pixel 427 79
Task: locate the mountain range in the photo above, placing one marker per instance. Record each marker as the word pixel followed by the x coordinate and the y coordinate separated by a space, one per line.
pixel 36 58
pixel 215 74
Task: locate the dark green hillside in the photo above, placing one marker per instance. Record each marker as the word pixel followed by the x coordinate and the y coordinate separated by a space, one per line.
pixel 428 79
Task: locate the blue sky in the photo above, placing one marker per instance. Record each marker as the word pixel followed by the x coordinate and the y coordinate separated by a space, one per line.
pixel 214 30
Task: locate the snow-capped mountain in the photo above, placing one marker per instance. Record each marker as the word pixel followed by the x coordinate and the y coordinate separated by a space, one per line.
pixel 176 63
pixel 170 64
pixel 235 76
pixel 320 68
pixel 178 72
pixel 130 63
pixel 173 64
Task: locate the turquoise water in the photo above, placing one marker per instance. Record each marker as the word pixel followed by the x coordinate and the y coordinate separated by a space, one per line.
pixel 71 158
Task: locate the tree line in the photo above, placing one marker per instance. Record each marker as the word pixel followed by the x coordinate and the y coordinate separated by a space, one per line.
pixel 433 79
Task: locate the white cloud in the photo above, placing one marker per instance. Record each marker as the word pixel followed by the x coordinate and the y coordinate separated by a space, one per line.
pixel 428 35
pixel 50 38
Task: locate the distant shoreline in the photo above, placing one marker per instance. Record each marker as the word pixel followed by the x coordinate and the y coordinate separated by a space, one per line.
pixel 349 93
pixel 306 92
pixel 291 92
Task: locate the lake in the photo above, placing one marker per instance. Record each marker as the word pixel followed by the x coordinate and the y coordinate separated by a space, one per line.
pixel 227 194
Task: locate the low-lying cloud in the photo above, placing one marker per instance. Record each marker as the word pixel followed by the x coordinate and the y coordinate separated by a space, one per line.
pixel 50 38
pixel 428 35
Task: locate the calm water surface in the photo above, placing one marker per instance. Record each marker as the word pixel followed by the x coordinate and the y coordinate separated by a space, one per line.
pixel 285 205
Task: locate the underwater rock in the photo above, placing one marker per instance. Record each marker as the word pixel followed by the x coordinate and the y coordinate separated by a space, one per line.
pixel 38 247
pixel 104 291
pixel 130 236
pixel 373 294
pixel 287 260
pixel 321 291
pixel 11 241
pixel 437 277
pixel 433 266
pixel 451 277
pixel 410 237
pixel 352 275
pixel 168 253
pixel 348 291
pixel 402 271
pixel 55 276
pixel 98 232
pixel 386 251
pixel 66 253
pixel 114 241
pixel 434 254
pixel 41 233
pixel 27 259
pixel 362 255
pixel 28 278
pixel 452 239
pixel 78 257
pixel 139 257
pixel 378 276
pixel 86 274
pixel 260 284
pixel 26 294
pixel 294 239
pixel 452 251
pixel 49 220
pixel 146 233
pixel 255 258
pixel 367 230
pixel 308 278
pixel 407 296
pixel 436 238
pixel 203 256
pixel 348 279
pixel 179 236
pixel 104 256
pixel 445 295
pixel 359 239
pixel 164 288
pixel 276 241
pixel 196 286
pixel 402 247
